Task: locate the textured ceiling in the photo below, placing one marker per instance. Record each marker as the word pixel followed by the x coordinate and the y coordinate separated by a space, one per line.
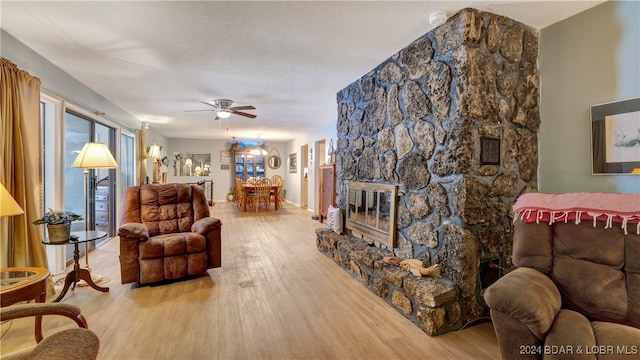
pixel 157 59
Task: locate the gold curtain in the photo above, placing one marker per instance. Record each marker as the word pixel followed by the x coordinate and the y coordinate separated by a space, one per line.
pixel 21 166
pixel 141 157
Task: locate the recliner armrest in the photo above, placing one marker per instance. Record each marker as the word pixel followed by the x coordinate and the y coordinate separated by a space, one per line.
pixel 528 296
pixel 206 225
pixel 134 231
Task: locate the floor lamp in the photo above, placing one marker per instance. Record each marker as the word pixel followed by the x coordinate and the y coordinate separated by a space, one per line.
pixel 92 156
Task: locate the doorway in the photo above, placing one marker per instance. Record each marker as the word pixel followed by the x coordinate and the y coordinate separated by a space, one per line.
pixel 304 176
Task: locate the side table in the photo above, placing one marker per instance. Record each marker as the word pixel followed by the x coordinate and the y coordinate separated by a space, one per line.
pixel 22 284
pixel 78 273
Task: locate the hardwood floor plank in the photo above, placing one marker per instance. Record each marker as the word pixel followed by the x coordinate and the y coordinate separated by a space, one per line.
pixel 275 297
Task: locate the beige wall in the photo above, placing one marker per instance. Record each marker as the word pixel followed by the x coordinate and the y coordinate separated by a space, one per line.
pixel 588 59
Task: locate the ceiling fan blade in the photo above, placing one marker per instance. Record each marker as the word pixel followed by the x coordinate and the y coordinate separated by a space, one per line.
pixel 199 110
pixel 243 114
pixel 210 104
pixel 246 107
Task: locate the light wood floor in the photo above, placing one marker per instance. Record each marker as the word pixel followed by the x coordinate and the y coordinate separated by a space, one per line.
pixel 275 297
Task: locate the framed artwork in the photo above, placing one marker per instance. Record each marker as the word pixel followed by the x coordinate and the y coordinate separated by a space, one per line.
pixel 615 137
pixel 293 163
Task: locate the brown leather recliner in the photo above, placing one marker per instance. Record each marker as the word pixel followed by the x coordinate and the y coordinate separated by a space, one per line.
pixel 575 293
pixel 167 233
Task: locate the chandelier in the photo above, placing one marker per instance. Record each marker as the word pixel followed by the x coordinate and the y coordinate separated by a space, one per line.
pixel 259 149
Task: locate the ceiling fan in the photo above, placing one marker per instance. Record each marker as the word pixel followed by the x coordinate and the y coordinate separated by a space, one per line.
pixel 223 109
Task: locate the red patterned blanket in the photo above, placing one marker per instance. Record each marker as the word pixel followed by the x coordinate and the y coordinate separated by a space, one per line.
pixel 607 207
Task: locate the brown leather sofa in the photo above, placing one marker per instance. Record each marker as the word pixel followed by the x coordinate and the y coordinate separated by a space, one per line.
pixel 575 293
pixel 167 233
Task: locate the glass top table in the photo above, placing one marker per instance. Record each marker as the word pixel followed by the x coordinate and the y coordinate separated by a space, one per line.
pixel 24 284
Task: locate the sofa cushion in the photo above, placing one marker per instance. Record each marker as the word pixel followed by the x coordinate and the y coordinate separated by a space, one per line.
pixel 570 331
pixel 166 209
pixel 172 244
pixel 587 267
pixel 622 342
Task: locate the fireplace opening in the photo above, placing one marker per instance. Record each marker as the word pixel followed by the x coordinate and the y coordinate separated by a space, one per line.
pixel 371 211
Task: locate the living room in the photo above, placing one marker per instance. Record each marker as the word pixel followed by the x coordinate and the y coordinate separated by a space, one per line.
pixel 565 97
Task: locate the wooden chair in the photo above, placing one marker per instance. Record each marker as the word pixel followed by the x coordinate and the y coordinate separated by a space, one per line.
pixel 276 178
pixel 261 194
pixel 239 194
pixel 280 182
pixel 75 343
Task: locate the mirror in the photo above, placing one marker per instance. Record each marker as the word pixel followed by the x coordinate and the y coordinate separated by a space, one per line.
pixel 274 161
pixel 201 164
pixel 189 164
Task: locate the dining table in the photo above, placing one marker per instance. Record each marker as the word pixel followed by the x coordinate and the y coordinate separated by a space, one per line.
pixel 247 187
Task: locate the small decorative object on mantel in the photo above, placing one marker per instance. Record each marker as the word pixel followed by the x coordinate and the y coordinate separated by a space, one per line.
pixel 58 224
pixel 415 266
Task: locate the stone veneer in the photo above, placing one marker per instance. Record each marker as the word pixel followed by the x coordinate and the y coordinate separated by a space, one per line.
pixel 418 121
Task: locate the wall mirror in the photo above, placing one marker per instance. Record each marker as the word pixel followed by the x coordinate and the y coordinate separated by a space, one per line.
pixel 274 161
pixel 190 164
pixel 201 164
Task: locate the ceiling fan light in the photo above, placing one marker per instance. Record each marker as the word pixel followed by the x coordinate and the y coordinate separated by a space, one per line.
pixel 224 113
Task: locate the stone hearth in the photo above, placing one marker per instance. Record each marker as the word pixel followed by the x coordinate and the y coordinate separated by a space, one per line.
pixel 452 119
pixel 430 303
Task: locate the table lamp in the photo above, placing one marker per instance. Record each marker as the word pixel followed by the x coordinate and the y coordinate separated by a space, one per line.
pixel 8 205
pixel 93 155
pixel 154 153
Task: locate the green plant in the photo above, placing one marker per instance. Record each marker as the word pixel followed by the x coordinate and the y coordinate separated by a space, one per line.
pixel 56 217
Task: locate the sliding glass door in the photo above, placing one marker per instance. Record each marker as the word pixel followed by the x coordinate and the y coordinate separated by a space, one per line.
pixel 99 214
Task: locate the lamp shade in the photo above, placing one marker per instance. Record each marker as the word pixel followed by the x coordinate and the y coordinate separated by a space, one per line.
pixel 154 152
pixel 95 156
pixel 8 206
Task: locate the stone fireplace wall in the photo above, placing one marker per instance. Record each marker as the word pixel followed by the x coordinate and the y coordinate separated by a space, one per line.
pixel 452 119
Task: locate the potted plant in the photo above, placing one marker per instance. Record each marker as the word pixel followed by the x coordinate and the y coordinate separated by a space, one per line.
pixel 58 224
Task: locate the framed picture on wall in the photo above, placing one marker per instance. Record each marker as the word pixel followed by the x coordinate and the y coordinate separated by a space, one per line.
pixel 615 137
pixel 293 163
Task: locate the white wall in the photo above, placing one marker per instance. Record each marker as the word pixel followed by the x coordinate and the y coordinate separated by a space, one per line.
pixel 588 59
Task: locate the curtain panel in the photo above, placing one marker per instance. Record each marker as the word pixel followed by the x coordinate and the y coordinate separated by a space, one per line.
pixel 21 171
pixel 141 157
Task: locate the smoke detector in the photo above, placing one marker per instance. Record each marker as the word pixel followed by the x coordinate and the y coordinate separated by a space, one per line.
pixel 437 18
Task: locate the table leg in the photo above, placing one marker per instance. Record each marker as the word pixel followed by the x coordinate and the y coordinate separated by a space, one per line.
pixel 246 197
pixel 85 275
pixel 76 275
pixel 68 280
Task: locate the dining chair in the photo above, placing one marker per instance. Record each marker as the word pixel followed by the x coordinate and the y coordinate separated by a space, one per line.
pixel 261 194
pixel 275 179
pixel 279 181
pixel 239 193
